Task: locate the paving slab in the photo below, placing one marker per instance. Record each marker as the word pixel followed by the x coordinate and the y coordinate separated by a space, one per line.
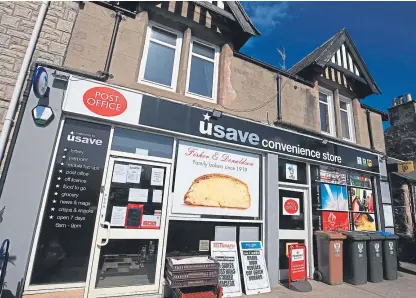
pixel 404 286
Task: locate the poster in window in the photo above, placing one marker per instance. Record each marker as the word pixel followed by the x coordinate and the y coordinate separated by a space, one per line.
pixel 335 221
pixel 364 222
pixel 362 200
pixel 334 197
pixel 216 181
pixel 291 171
pixel 332 175
pixel 291 206
pixel 360 180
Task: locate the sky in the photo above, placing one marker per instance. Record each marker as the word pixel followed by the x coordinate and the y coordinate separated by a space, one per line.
pixel 383 32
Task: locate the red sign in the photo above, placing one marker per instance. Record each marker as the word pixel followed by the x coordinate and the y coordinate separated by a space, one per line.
pixel 105 101
pixel 291 206
pixel 297 262
pixel 335 221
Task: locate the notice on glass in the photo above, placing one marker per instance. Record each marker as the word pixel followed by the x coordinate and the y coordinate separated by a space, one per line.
pixel 256 278
pixel 138 195
pixel 120 173
pixel 157 177
pixel 118 216
pixel 225 253
pixel 203 245
pixel 291 172
pixel 157 196
pixel 142 151
pixel 133 174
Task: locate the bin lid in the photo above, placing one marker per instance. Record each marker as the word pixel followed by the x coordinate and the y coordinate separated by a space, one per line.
pixel 388 235
pixel 351 235
pixel 375 236
pixel 330 235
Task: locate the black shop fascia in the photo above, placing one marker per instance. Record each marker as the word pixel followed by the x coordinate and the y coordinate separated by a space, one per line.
pixel 170 116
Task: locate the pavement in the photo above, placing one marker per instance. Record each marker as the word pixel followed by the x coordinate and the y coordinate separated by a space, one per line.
pixel 404 286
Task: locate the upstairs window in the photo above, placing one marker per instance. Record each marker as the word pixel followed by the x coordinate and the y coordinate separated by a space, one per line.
pixel 347 120
pixel 202 78
pixel 160 62
pixel 326 112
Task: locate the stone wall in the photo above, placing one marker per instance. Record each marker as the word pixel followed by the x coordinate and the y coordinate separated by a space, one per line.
pixel 17 20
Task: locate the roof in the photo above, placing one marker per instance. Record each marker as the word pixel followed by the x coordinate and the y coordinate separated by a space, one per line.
pixel 242 18
pixel 384 115
pixel 323 54
pixel 409 176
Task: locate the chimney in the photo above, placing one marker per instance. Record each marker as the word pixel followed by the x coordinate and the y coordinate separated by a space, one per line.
pixel 394 102
pixel 401 99
pixel 409 97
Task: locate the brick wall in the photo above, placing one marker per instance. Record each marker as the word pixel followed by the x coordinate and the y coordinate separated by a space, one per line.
pixel 17 20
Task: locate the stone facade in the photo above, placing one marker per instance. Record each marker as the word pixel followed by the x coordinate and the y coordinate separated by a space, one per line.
pixel 17 20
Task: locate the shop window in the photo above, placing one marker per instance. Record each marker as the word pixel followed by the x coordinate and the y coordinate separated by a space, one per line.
pixel 292 171
pixel 326 108
pixel 142 143
pixel 202 71
pixel 342 200
pixel 291 210
pixel 347 120
pixel 192 237
pixel 161 54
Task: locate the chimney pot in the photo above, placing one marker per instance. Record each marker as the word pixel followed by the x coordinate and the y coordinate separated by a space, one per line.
pixel 409 97
pixel 401 99
pixel 394 102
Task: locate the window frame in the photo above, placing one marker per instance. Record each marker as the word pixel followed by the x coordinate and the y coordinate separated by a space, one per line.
pixel 331 111
pixel 214 97
pixel 350 117
pixel 176 61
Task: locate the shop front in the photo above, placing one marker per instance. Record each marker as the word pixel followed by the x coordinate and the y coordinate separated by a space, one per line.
pixel 134 178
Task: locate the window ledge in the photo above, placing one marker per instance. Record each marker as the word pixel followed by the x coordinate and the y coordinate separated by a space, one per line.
pixel 200 97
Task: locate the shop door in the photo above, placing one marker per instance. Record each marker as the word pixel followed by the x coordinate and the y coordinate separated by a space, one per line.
pixel 293 224
pixel 127 256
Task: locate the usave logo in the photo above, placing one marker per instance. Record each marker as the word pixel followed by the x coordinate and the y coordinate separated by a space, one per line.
pixel 105 101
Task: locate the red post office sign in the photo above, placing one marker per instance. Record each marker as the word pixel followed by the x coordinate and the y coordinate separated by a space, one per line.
pixel 105 101
pixel 297 262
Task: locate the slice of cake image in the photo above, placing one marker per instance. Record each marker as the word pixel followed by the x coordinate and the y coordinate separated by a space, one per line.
pixel 218 190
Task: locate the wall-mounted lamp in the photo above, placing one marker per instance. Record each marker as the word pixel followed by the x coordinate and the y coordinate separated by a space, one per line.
pixel 382 158
pixel 216 114
pixel 324 141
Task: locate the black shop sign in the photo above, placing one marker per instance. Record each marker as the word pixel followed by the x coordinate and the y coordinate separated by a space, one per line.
pixel 190 120
pixel 71 208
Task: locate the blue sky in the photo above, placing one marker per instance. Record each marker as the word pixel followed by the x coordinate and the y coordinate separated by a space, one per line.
pixel 383 32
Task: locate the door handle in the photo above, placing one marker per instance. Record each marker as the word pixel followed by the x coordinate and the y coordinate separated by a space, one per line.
pixel 104 224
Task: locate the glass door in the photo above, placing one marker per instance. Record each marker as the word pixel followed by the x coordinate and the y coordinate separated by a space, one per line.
pixel 293 225
pixel 127 256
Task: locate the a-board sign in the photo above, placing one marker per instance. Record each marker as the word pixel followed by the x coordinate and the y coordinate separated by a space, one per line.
pixel 297 262
pixel 225 253
pixel 256 278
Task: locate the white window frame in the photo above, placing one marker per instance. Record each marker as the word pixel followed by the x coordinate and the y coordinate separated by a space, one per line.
pixel 177 48
pixel 331 113
pixel 213 98
pixel 350 117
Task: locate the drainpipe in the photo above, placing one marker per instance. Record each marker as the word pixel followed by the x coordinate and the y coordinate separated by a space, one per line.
pixel 370 128
pixel 279 98
pixel 8 121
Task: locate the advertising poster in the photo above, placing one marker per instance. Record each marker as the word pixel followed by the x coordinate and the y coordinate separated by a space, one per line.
pixel 335 221
pixel 291 171
pixel 364 222
pixel 291 206
pixel 216 181
pixel 334 197
pixel 359 180
pixel 361 200
pixel 256 278
pixel 225 253
pixel 331 175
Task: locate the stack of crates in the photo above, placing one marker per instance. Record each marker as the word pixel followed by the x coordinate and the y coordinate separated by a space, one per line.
pixel 202 275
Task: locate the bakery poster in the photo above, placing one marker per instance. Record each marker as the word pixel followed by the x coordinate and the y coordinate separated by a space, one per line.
pixel 334 197
pixel 362 200
pixel 226 253
pixel 335 221
pixel 216 181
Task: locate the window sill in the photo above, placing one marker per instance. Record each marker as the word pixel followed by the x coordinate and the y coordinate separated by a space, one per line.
pixel 327 134
pixel 156 85
pixel 200 97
